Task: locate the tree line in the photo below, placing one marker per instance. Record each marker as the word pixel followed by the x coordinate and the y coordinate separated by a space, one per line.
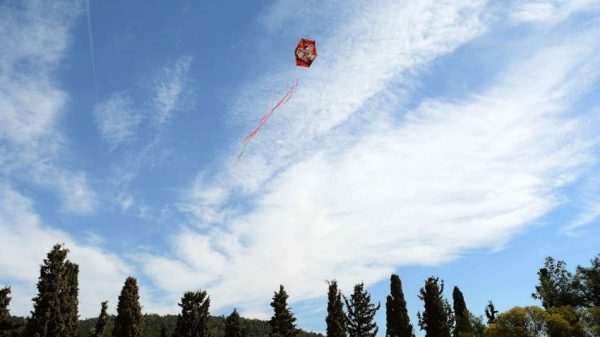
pixel 570 308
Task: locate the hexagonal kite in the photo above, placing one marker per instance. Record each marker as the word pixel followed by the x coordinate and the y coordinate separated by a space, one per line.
pixel 305 53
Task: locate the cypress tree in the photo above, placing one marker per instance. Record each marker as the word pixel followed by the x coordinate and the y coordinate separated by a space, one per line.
pixel 129 321
pixel 436 319
pixel 163 332
pixel 396 314
pixel 4 312
pixel 282 323
pixel 336 318
pixel 102 321
pixel 233 326
pixel 462 317
pixel 361 313
pixel 490 312
pixel 69 299
pixel 55 307
pixel 193 319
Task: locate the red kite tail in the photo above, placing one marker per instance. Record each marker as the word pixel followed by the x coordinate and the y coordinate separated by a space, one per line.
pixel 265 118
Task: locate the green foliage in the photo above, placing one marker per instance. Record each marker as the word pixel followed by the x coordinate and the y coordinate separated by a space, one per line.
pixel 396 314
pixel 336 318
pixel 361 313
pixel 490 312
pixel 534 321
pixel 233 326
pixel 436 319
pixel 590 282
pixel 478 325
pixel 55 307
pixel 462 316
pixel 129 321
pixel 193 320
pixel 282 323
pixel 557 287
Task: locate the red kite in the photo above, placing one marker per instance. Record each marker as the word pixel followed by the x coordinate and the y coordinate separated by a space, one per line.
pixel 305 53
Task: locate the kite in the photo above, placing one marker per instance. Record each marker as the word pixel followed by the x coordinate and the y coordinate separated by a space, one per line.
pixel 305 53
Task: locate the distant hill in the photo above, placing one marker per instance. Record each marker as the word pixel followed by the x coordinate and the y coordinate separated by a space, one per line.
pixel 153 323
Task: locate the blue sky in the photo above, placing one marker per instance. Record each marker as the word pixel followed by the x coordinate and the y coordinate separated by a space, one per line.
pixel 449 138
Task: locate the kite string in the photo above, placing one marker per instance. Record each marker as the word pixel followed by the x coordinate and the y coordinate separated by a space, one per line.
pixel 265 118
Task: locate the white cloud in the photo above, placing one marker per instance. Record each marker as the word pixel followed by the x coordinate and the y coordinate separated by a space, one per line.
pixel 171 90
pixel 34 37
pixel 550 11
pixel 24 243
pixel 117 119
pixel 358 190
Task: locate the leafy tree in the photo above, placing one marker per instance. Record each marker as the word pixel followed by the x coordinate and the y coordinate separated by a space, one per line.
pixel 490 312
pixel 436 319
pixel 557 287
pixel 193 320
pixel 462 316
pixel 163 332
pixel 590 321
pixel 531 321
pixel 55 307
pixel 336 318
pixel 361 313
pixel 233 326
pixel 282 323
pixel 590 282
pixel 396 314
pixel 101 322
pixel 129 321
pixel 478 325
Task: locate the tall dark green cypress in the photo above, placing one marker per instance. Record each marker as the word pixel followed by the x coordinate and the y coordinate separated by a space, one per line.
pixel 462 317
pixel 129 321
pixel 102 321
pixel 282 323
pixel 193 319
pixel 55 307
pixel 5 323
pixel 361 313
pixel 396 314
pixel 436 319
pixel 69 299
pixel 233 326
pixel 336 318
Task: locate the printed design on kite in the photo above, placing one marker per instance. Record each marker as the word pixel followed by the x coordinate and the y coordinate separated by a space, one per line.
pixel 306 54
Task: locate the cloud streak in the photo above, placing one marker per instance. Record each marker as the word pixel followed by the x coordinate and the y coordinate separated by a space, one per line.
pixel 34 37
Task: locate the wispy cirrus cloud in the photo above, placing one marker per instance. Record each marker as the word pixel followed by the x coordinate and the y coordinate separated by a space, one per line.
pixel 342 185
pixel 34 36
pixel 117 119
pixel 149 106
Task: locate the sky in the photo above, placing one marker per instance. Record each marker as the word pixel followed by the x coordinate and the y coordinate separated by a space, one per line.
pixel 449 138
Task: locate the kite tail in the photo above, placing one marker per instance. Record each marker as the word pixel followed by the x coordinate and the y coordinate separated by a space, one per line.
pixel 265 118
